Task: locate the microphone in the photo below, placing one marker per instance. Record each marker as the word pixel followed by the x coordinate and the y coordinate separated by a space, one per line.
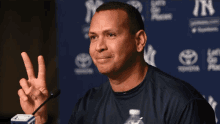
pixel 29 118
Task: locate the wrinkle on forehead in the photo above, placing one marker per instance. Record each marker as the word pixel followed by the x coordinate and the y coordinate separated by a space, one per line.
pixel 111 18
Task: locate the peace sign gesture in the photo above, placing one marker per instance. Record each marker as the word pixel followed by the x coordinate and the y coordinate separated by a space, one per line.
pixel 34 90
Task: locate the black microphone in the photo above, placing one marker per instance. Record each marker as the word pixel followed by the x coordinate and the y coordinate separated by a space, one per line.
pixel 28 118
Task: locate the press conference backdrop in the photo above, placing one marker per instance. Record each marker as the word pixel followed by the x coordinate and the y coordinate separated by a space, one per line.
pixel 183 41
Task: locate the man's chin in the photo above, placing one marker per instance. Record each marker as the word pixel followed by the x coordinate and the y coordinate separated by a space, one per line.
pixel 105 69
pixel 107 72
pixel 104 72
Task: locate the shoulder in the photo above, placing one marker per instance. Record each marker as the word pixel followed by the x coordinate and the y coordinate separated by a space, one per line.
pixel 173 86
pixel 197 111
pixel 177 96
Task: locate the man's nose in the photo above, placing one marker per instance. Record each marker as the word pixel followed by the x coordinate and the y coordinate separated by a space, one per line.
pixel 101 44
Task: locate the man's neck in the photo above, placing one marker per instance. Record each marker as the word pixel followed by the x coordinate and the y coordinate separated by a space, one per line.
pixel 129 78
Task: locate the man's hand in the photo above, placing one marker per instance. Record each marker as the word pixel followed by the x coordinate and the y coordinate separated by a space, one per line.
pixel 34 90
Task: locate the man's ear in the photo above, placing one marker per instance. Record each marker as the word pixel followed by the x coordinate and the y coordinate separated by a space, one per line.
pixel 141 40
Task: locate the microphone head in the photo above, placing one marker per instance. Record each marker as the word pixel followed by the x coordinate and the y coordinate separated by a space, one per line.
pixel 55 93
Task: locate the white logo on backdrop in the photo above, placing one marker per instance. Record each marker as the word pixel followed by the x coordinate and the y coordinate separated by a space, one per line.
pixel 206 4
pixel 212 59
pixel 213 104
pixel 188 57
pixel 150 55
pixel 137 4
pixel 91 8
pixel 83 61
pixel 156 9
pixel 205 24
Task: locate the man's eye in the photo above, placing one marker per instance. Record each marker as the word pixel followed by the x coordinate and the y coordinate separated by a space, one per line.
pixel 92 37
pixel 111 34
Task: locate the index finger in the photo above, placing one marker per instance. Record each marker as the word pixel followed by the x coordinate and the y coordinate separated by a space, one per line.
pixel 28 65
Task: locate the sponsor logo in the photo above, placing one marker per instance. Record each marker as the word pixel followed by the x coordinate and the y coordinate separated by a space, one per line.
pixel 156 11
pixel 204 24
pixel 150 55
pixel 83 61
pixel 91 6
pixel 137 4
pixel 213 104
pixel 188 58
pixel 212 59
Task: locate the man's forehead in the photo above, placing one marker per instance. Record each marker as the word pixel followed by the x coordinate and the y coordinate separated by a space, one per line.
pixel 109 18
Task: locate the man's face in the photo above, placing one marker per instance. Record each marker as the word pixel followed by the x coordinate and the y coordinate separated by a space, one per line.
pixel 112 47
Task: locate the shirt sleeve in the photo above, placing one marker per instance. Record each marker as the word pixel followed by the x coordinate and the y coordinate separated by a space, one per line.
pixel 197 111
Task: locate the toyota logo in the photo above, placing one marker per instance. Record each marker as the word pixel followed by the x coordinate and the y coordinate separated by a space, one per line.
pixel 83 60
pixel 188 57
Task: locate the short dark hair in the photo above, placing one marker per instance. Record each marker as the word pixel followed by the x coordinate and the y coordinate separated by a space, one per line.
pixel 135 20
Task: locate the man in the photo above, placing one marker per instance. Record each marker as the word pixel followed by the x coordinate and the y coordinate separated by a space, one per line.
pixel 136 93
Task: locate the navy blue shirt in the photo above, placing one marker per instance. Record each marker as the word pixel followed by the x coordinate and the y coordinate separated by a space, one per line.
pixel 160 99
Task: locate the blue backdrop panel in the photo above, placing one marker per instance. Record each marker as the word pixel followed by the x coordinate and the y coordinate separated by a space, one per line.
pixel 182 40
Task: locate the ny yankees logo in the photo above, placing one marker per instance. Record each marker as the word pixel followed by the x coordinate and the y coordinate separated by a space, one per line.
pixel 204 6
pixel 91 8
pixel 149 55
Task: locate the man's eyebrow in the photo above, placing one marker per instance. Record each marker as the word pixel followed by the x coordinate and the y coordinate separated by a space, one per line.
pixel 105 31
pixel 92 33
pixel 109 30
